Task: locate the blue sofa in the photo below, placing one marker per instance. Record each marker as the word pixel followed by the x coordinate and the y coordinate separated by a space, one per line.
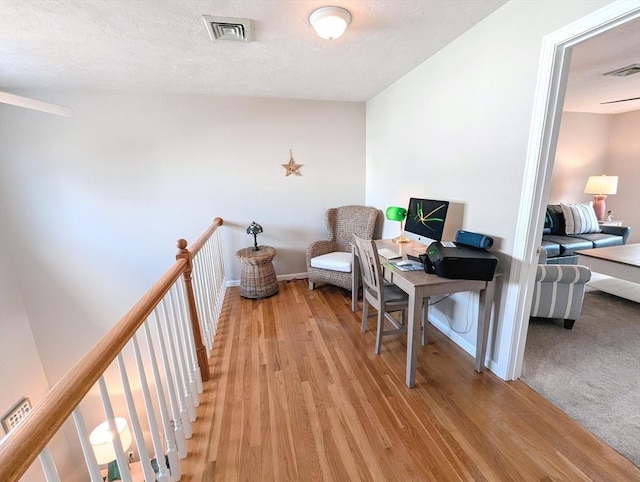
pixel 560 248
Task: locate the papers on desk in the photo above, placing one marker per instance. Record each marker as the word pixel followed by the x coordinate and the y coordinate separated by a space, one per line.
pixel 407 265
pixel 388 253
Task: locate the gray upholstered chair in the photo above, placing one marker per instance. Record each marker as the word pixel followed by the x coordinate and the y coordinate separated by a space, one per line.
pixel 329 261
pixel 559 291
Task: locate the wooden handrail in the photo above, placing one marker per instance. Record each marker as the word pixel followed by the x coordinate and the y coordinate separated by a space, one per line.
pixel 29 438
pixel 197 246
pixel 47 416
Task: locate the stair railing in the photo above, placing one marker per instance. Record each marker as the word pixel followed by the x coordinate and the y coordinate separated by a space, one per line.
pixel 160 349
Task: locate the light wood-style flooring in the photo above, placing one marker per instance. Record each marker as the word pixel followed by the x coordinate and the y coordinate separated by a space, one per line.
pixel 297 394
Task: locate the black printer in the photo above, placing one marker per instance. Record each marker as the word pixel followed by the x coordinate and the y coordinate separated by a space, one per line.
pixel 456 261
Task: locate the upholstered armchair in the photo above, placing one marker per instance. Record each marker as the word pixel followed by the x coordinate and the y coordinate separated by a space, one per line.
pixel 559 291
pixel 329 261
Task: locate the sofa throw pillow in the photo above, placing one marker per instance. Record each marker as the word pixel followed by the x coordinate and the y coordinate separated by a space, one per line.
pixel 580 218
pixel 557 219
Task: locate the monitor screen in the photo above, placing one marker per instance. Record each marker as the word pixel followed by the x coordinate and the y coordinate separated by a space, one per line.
pixel 425 219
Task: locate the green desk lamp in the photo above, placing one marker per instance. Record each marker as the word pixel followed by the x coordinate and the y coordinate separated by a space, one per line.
pixel 395 213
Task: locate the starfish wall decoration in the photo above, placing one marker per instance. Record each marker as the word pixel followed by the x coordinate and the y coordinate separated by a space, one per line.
pixel 291 167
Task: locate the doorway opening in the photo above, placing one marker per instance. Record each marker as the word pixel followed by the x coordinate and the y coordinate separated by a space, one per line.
pixel 549 99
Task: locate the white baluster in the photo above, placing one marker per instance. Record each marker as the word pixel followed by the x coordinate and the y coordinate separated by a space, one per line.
pixel 215 286
pixel 171 439
pixel 220 273
pixel 163 473
pixel 178 381
pixel 48 466
pixel 145 460
pixel 89 456
pixel 178 429
pixel 209 290
pixel 201 299
pixel 181 355
pixel 186 336
pixel 123 463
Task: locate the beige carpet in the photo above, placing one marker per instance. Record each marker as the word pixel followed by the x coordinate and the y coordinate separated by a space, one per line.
pixel 592 372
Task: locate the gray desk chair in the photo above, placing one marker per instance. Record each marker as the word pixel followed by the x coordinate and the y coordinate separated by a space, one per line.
pixel 384 297
pixel 559 292
pixel 329 260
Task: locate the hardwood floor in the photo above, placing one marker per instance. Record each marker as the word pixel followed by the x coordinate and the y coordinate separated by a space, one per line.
pixel 297 394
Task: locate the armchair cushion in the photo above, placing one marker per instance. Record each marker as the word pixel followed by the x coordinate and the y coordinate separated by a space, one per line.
pixel 318 248
pixel 568 244
pixel 336 261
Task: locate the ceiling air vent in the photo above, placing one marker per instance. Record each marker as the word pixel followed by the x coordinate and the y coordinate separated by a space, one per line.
pixel 625 71
pixel 227 28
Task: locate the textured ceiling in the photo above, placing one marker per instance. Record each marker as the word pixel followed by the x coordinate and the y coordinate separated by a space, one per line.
pixel 162 46
pixel 588 88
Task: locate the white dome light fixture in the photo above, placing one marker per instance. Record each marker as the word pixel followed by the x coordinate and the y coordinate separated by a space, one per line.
pixel 330 22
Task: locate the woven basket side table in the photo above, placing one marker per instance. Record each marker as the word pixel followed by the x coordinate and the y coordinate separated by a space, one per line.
pixel 258 278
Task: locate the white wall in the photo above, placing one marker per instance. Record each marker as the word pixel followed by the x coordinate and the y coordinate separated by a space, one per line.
pixel 21 373
pixel 623 160
pixel 95 203
pixel 594 144
pixel 581 152
pixel 457 128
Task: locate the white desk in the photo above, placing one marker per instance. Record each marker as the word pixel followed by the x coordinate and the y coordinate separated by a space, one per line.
pixel 419 285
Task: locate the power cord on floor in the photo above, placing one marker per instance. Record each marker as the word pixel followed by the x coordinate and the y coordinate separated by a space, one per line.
pixel 469 323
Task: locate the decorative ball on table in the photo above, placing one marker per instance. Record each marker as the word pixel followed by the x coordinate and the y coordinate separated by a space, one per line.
pixel 255 229
pixel 395 213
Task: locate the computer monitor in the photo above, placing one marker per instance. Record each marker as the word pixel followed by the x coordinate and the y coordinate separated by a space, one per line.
pixel 425 220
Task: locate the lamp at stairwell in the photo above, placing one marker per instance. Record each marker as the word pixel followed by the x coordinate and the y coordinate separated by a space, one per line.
pixel 600 186
pixel 395 213
pixel 255 229
pixel 101 440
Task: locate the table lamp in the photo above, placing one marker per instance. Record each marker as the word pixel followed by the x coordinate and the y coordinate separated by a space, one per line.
pixel 101 441
pixel 601 186
pixel 255 229
pixel 395 213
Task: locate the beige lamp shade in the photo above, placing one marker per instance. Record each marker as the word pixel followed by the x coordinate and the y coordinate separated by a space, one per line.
pixel 102 441
pixel 601 185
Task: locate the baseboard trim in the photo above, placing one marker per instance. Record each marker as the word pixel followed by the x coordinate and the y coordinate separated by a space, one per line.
pixel 283 277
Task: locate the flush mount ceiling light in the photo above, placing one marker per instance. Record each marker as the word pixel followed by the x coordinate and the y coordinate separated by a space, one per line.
pixel 330 22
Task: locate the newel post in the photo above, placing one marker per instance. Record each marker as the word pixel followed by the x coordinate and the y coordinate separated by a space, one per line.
pixel 201 352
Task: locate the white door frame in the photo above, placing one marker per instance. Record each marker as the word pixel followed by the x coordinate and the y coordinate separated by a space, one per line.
pixel 543 136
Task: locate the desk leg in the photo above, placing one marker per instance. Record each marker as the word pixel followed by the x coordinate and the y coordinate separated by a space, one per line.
pixel 484 321
pixel 413 334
